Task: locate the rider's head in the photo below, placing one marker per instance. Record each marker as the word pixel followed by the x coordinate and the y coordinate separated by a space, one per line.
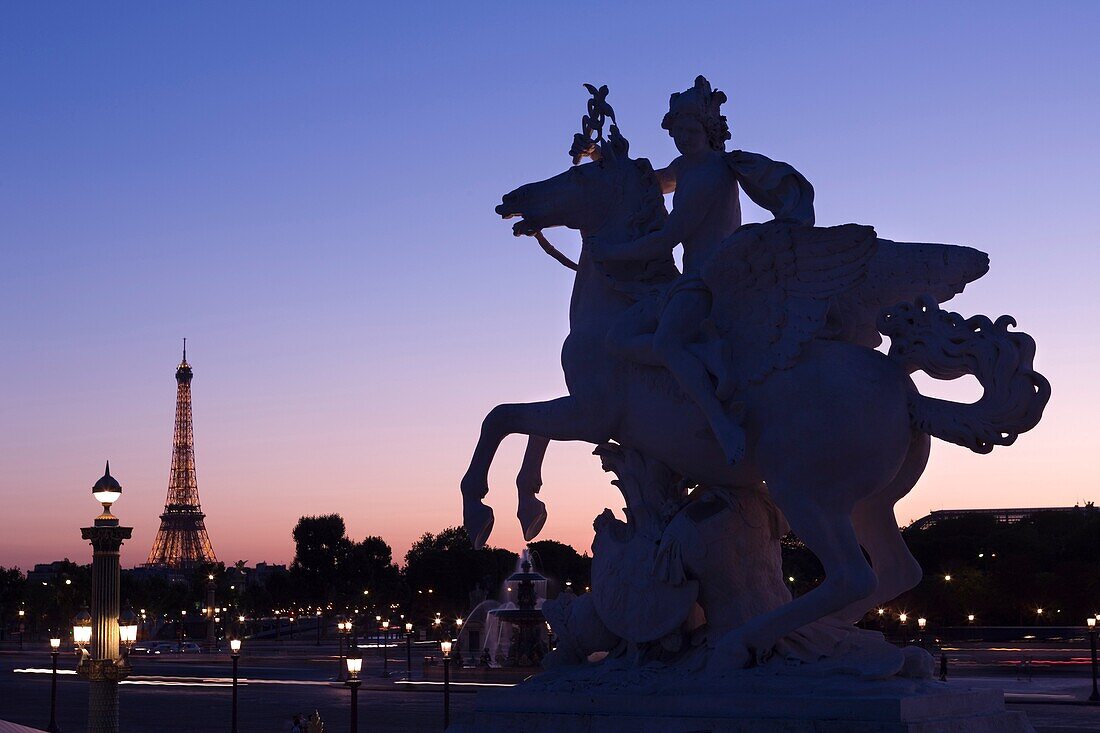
pixel 694 118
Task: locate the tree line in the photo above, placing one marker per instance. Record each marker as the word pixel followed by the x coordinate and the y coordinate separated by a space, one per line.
pixel 1043 570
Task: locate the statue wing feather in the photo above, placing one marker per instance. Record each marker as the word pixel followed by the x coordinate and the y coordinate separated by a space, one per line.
pixel 773 285
pixel 902 272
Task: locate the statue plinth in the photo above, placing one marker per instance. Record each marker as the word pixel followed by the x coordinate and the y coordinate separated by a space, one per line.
pixel 799 708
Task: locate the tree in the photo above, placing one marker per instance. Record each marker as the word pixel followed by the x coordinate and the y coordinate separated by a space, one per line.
pixel 560 563
pixel 442 570
pixel 321 549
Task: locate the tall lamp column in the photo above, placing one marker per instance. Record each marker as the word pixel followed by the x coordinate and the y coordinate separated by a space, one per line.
pixel 104 666
pixel 55 648
pixel 235 651
pixel 386 648
pixel 408 651
pixel 445 646
pixel 1095 696
pixel 355 664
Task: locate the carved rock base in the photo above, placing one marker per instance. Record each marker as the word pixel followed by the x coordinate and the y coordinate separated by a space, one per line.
pixel 939 708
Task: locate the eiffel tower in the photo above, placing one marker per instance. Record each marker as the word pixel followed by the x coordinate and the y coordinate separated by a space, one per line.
pixel 182 542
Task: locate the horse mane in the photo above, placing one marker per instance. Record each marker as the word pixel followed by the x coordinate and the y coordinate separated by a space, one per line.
pixel 651 213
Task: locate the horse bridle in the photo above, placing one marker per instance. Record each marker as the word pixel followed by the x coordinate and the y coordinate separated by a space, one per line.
pixel 554 251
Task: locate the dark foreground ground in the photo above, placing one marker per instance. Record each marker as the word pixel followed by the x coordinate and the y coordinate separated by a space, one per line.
pixel 192 693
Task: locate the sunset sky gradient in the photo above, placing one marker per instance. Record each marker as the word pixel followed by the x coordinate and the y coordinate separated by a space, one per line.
pixel 306 192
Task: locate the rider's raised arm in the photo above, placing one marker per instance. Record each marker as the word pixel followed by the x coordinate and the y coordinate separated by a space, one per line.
pixel 694 198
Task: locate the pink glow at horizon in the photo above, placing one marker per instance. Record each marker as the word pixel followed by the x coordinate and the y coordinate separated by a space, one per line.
pixel 312 206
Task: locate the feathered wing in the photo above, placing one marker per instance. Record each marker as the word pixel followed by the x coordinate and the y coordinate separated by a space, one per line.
pixel 901 272
pixel 773 285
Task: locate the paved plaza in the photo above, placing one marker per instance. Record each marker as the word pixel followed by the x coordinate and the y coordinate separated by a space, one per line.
pixel 182 694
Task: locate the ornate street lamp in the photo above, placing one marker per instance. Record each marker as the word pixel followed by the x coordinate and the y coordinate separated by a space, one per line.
pixel 408 651
pixel 235 653
pixel 342 628
pixel 1095 696
pixel 355 665
pixel 320 623
pixel 55 648
pixel 103 666
pixel 127 630
pixel 445 646
pixel 386 648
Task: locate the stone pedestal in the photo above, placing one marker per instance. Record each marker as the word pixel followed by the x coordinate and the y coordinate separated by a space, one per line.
pixel 939 709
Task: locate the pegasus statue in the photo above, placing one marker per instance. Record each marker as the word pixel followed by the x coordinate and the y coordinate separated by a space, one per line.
pixel 751 375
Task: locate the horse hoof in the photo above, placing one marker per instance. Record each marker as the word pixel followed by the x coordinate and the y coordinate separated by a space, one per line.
pixel 732 652
pixel 478 519
pixel 532 515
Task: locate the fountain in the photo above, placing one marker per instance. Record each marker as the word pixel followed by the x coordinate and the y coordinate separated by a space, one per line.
pixel 511 633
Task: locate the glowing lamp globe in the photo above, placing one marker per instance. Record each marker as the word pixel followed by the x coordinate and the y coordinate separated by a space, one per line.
pixel 1091 622
pixel 82 628
pixel 355 664
pixel 235 645
pixel 55 644
pixel 922 622
pixel 446 647
pixel 107 490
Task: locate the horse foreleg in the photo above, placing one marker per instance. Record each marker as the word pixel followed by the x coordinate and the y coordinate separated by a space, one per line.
pixel 560 419
pixel 531 512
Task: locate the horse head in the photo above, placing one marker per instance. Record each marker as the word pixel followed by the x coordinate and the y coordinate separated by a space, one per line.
pixel 615 196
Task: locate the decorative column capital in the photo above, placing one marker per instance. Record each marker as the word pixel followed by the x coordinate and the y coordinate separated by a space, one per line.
pixel 106 538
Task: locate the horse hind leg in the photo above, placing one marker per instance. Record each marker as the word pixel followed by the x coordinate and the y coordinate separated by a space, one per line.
pixel 829 534
pixel 531 512
pixel 878 533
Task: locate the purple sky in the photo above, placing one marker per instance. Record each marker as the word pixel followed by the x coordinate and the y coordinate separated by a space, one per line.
pixel 307 194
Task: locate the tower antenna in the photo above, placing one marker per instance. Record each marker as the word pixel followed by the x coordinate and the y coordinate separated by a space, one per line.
pixel 185 348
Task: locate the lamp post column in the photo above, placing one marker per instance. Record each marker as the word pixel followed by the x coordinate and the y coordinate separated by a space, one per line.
pixel 104 667
pixel 54 650
pixel 1095 696
pixel 235 650
pixel 211 586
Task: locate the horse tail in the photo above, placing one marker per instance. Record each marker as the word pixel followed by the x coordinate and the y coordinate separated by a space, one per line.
pixel 946 346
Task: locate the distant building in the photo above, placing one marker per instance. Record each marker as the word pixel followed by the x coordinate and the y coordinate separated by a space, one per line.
pixel 46 572
pixel 1003 516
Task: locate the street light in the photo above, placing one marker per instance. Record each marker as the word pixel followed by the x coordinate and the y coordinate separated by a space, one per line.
pixel 104 667
pixel 408 651
pixel 235 653
pixel 445 646
pixel 82 629
pixel 127 628
pixel 342 628
pixel 385 648
pixel 55 648
pixel 1095 696
pixel 355 665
